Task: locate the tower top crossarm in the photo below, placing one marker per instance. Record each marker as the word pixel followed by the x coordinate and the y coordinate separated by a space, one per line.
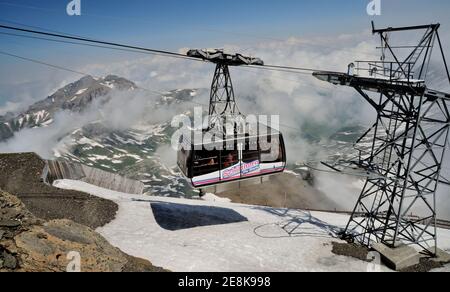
pixel 401 67
pixel 434 26
pixel 218 56
pixel 222 104
pixel 407 61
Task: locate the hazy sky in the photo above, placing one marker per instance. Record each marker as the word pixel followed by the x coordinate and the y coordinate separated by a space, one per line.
pixel 175 24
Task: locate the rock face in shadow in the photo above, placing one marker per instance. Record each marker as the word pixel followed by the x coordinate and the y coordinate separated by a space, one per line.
pixel 20 175
pixel 29 244
pixel 282 191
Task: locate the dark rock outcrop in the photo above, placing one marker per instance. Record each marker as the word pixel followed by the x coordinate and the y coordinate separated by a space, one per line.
pixel 20 175
pixel 29 244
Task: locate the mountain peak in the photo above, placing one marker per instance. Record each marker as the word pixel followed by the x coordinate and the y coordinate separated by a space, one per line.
pixel 76 97
pixel 119 83
pixel 87 78
pixel 112 77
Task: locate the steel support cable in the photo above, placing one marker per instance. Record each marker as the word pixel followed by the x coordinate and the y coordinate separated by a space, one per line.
pixel 83 39
pixel 142 52
pixel 76 43
pixel 287 69
pixel 67 69
pixel 156 93
pixel 35 27
pixel 53 11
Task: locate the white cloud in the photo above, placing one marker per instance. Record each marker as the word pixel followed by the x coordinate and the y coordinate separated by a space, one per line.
pixel 296 97
pixel 11 107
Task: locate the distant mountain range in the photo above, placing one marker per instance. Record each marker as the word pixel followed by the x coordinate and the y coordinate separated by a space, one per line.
pixel 73 97
pixel 132 152
pixel 136 151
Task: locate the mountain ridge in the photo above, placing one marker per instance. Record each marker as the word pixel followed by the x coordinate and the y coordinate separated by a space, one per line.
pixel 74 97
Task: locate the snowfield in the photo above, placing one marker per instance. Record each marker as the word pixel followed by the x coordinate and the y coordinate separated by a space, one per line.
pixel 214 235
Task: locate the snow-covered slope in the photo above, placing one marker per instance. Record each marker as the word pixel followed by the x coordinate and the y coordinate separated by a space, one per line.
pixel 206 236
pixel 134 152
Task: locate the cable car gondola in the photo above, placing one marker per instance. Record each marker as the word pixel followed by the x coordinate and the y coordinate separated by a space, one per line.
pixel 234 157
pixel 241 158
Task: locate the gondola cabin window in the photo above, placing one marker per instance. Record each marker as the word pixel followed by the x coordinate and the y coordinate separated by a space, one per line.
pixel 229 158
pixel 237 158
pixel 206 162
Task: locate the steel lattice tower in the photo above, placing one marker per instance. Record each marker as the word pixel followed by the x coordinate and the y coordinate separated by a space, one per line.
pixel 222 102
pixel 409 140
